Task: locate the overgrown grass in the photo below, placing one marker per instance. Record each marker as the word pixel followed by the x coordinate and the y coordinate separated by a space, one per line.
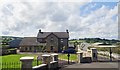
pixel 65 57
pixel 13 61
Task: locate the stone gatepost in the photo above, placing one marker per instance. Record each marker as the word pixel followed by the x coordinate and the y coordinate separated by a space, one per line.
pixel 94 54
pixel 55 60
pixel 26 63
pixel 54 57
pixel 46 59
pixel 80 56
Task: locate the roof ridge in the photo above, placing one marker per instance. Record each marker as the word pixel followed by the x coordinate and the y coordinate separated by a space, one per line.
pixel 58 34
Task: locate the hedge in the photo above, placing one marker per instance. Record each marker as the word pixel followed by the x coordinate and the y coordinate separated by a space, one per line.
pixel 9 51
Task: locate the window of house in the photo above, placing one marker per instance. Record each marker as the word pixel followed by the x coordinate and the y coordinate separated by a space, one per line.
pixel 51 47
pixel 61 40
pixel 25 48
pixel 51 38
pixel 40 39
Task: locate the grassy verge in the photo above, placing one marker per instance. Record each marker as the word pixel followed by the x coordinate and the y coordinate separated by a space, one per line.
pixel 73 57
pixel 13 61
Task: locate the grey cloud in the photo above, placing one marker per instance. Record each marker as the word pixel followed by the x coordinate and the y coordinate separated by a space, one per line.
pixel 5 32
pixel 59 17
pixel 52 16
pixel 7 10
pixel 28 5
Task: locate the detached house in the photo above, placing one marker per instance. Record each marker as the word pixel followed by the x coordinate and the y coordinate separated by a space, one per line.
pixel 30 44
pixel 46 41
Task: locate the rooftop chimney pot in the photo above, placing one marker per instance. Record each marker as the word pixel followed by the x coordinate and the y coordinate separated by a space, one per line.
pixel 67 31
pixel 40 30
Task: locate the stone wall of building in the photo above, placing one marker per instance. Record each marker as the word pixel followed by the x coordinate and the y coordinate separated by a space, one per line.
pixel 52 42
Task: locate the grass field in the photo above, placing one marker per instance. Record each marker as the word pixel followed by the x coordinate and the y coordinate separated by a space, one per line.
pixel 73 57
pixel 13 61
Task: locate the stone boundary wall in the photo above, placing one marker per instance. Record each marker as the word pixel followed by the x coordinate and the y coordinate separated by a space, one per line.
pixel 47 63
pixel 53 66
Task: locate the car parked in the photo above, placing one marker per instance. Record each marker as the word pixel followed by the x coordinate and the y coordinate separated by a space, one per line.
pixel 70 50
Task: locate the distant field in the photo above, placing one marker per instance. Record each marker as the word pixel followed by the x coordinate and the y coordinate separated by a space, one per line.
pixel 72 41
pixel 77 41
pixel 114 50
pixel 13 61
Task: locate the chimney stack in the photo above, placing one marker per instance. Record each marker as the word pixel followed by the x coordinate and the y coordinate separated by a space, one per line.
pixel 67 30
pixel 40 31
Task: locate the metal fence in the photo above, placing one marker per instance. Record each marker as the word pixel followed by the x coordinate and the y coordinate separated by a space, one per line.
pixel 106 58
pixel 36 62
pixel 67 59
pixel 11 65
pixel 16 65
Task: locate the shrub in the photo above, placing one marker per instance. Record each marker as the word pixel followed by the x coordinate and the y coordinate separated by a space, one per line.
pixel 9 51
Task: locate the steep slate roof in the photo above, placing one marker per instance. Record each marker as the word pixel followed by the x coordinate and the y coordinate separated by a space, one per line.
pixel 15 43
pixel 58 34
pixel 27 41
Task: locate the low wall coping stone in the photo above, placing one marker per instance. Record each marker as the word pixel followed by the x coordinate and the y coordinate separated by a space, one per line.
pixel 54 54
pixel 26 58
pixel 45 55
pixel 79 52
pixel 53 62
pixel 41 65
pixel 93 48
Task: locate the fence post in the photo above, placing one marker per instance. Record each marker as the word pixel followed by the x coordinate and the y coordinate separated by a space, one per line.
pixel 80 56
pixel 94 54
pixel 26 63
pixel 54 57
pixel 46 59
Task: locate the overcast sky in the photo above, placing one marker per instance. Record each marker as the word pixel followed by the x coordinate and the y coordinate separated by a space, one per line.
pixel 82 19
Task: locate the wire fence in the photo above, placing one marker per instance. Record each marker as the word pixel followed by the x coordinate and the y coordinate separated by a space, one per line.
pixel 65 59
pixel 36 62
pixel 16 65
pixel 11 65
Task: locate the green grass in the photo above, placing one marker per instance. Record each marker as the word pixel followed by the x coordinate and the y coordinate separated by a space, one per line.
pixel 13 61
pixel 64 56
pixel 12 58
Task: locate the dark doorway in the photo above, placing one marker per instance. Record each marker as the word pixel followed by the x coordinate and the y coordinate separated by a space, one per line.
pixel 51 49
